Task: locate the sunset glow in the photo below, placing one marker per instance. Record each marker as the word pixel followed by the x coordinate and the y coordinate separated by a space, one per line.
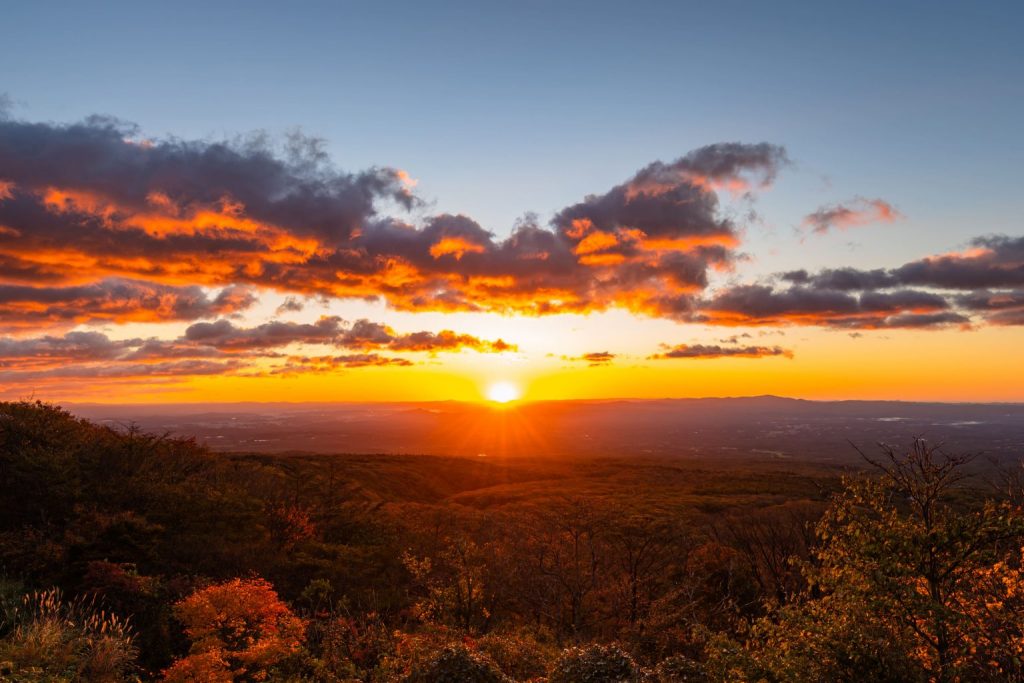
pixel 569 341
pixel 143 259
pixel 502 392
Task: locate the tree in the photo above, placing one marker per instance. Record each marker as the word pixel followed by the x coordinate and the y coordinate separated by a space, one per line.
pixel 453 585
pixel 239 629
pixel 901 544
pixel 912 580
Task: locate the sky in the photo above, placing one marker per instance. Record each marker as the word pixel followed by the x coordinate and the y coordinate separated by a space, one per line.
pixel 420 201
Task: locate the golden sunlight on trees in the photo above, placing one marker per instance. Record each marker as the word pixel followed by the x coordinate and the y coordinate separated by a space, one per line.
pixel 239 630
pixel 905 584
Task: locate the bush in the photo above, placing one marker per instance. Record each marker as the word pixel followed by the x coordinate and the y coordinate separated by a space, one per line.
pixel 594 664
pixel 519 657
pixel 679 668
pixel 457 664
pixel 51 639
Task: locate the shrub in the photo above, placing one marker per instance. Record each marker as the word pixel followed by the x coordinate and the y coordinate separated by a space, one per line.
pixel 679 668
pixel 56 640
pixel 349 647
pixel 456 663
pixel 594 664
pixel 519 657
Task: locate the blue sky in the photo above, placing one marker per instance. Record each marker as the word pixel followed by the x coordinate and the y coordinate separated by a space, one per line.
pixel 502 108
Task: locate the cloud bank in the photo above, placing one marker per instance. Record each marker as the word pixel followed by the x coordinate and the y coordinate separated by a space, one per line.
pixel 90 202
pixel 99 226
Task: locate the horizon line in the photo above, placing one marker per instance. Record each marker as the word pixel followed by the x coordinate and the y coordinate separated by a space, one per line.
pixel 519 403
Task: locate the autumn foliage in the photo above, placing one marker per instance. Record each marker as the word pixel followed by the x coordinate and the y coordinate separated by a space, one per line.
pixel 171 563
pixel 239 630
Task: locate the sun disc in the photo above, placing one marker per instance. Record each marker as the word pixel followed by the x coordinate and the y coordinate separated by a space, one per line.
pixel 502 392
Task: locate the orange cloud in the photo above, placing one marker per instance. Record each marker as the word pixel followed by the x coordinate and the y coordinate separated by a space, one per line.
pixel 456 246
pixel 96 205
pixel 859 211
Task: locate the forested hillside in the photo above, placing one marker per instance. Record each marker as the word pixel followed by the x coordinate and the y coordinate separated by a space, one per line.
pixel 126 555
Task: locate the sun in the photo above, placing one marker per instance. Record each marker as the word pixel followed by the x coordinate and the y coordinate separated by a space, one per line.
pixel 502 392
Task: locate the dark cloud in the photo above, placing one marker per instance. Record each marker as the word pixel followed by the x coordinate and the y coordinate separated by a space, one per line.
pixel 219 347
pixel 858 211
pixel 671 201
pixel 11 378
pixel 71 346
pixel 987 300
pixel 294 187
pixel 842 279
pixel 988 262
pixel 325 364
pixel 223 339
pixel 114 300
pixel 996 307
pixel 446 340
pixel 92 200
pixel 799 305
pixel 226 335
pixel 720 351
pixel 291 304
pixel 362 334
pixel 936 291
pixel 98 225
pixel 996 261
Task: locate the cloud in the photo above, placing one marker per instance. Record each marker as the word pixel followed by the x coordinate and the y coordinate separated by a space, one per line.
pixel 296 365
pixel 446 340
pixel 115 300
pixel 799 305
pixel 221 347
pixel 290 305
pixel 98 225
pixel 362 334
pixel 594 358
pixel 995 261
pixel 856 212
pixel 1004 307
pixel 985 279
pixel 72 346
pixel 224 334
pixel 11 379
pixel 720 351
pixel 90 201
